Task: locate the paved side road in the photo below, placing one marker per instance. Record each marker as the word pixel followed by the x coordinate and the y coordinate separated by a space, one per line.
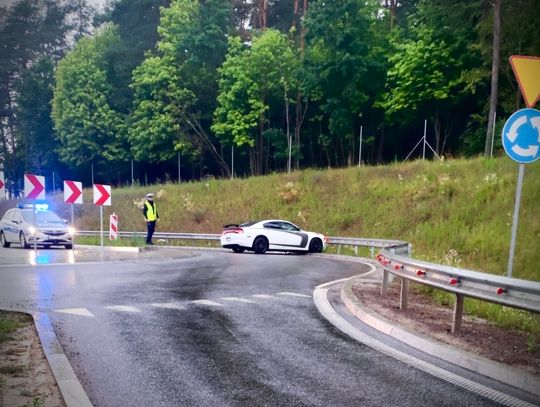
pixel 215 328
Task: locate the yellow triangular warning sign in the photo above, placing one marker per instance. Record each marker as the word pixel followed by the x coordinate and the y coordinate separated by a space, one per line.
pixel 527 72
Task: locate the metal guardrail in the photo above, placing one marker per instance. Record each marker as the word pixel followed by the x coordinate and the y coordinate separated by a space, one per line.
pixel 397 246
pixel 394 258
pixel 510 292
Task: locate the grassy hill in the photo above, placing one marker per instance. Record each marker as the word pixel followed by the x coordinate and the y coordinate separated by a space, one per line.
pixel 456 212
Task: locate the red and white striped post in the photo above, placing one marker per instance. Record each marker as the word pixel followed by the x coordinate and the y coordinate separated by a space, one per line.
pixel 113 227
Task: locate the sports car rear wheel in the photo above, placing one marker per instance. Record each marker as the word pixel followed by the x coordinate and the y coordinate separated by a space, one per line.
pixel 260 245
pixel 315 246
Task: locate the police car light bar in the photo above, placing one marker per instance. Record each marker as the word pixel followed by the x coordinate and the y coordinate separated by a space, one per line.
pixel 37 206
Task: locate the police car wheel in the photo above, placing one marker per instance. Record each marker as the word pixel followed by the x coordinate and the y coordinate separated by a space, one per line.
pixel 22 240
pixel 5 243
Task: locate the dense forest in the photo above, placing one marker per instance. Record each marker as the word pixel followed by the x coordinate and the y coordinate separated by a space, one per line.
pixel 153 90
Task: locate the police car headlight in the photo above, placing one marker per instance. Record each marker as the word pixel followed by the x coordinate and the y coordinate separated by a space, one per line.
pixel 32 230
pixel 71 230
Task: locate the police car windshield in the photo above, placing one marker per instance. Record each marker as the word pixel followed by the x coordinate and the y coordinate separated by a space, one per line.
pixel 41 217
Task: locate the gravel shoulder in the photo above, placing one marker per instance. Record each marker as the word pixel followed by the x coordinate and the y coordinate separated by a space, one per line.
pixel 25 376
pixel 478 336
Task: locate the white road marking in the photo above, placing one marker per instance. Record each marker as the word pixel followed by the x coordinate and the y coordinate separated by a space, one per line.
pixel 238 299
pixel 294 294
pixel 168 305
pixel 325 308
pixel 207 302
pixel 264 296
pixel 76 311
pixel 123 308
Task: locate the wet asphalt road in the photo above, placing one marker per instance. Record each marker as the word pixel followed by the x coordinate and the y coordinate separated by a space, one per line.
pixel 213 328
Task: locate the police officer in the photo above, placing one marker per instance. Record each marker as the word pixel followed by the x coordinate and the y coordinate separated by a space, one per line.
pixel 150 216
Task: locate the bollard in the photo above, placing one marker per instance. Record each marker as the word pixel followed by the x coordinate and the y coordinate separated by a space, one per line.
pixel 113 227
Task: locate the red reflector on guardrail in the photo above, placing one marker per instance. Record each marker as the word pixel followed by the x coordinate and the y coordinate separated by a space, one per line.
pixel 420 273
pixel 501 291
pixel 398 266
pixel 455 281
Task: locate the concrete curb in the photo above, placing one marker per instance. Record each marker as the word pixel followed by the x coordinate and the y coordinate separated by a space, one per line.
pixel 502 373
pixel 70 387
pixel 118 248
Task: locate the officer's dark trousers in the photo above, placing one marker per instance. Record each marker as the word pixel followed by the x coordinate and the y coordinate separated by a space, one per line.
pixel 150 227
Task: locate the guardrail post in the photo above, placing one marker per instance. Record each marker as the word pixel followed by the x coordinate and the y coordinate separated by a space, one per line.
pixel 384 282
pixel 339 249
pixel 404 294
pixel 372 251
pixel 409 249
pixel 458 313
pixel 356 250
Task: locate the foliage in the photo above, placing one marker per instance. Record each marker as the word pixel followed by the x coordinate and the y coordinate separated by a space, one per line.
pixel 86 123
pixel 7 326
pixel 37 139
pixel 175 90
pixel 302 78
pixel 344 68
pixel 432 70
pixel 24 68
pixel 253 78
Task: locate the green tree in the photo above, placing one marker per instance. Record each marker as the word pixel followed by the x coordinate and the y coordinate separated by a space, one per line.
pixel 137 22
pixel 344 65
pixel 86 123
pixel 435 69
pixel 36 135
pixel 253 79
pixel 175 90
pixel 22 47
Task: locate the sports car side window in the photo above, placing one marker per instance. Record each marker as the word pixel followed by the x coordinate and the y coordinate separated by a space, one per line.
pixel 287 226
pixel 271 225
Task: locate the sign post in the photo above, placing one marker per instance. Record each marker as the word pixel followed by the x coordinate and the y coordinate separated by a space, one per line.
pixel 521 141
pixel 73 195
pixel 521 132
pixel 102 196
pixel 34 188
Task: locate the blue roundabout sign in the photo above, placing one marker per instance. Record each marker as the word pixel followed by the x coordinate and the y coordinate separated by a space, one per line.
pixel 521 136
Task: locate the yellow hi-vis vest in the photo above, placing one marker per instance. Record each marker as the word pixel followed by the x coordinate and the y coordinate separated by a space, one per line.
pixel 150 213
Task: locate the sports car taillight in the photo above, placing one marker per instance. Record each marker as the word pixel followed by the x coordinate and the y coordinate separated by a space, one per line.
pixel 233 230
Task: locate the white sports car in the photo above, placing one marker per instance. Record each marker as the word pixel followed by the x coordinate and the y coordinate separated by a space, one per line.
pixel 276 235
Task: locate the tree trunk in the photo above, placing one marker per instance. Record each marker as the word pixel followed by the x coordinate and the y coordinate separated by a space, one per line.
pixel 495 65
pixel 289 141
pixel 263 12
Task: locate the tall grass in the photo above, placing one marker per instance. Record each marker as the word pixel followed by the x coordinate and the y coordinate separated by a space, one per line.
pixel 456 211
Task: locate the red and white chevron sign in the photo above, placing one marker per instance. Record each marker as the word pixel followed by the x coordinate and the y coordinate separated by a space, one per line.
pixel 2 185
pixel 73 192
pixel 34 186
pixel 102 195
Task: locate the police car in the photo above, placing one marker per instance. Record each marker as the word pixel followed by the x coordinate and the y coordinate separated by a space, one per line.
pixel 271 235
pixel 28 224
